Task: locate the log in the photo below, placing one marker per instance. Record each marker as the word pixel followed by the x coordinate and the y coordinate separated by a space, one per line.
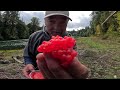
pixel 17 60
pixel 108 17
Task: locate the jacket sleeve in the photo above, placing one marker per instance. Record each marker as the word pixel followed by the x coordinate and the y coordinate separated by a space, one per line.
pixel 27 55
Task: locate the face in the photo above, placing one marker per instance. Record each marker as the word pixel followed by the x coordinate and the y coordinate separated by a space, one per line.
pixel 56 25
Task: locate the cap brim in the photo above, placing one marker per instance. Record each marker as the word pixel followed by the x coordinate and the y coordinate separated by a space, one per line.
pixel 57 14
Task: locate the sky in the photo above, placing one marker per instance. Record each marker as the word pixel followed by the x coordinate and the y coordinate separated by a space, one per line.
pixel 80 19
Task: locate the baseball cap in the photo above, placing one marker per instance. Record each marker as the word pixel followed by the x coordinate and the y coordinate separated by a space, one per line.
pixel 63 13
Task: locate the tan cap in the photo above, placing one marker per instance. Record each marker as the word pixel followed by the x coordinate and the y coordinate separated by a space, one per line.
pixel 63 13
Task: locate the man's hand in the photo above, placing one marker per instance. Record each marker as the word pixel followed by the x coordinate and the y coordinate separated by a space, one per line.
pixel 27 69
pixel 51 69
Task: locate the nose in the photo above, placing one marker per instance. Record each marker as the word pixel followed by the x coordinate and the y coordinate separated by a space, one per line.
pixel 56 26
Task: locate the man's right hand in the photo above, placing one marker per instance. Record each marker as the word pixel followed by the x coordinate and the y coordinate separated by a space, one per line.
pixel 51 69
pixel 27 69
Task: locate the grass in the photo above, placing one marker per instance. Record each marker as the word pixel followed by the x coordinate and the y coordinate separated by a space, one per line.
pixel 7 54
pixel 97 44
pixel 12 70
pixel 101 56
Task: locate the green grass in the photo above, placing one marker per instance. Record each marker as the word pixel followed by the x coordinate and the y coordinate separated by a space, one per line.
pixel 90 43
pixel 7 54
pixel 97 44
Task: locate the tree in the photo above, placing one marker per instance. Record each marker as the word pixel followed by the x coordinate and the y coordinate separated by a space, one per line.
pixel 22 30
pixel 98 18
pixel 98 30
pixel 10 19
pixel 1 26
pixel 34 25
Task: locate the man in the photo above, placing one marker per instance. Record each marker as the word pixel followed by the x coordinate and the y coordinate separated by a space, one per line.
pixel 55 24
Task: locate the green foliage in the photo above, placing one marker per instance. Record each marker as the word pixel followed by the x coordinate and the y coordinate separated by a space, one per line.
pixel 22 30
pixel 100 24
pixel 109 25
pixel 34 25
pixel 98 30
pixel 11 27
pixel 81 33
pixel 117 17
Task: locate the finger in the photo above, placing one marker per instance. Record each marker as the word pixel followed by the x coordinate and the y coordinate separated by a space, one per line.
pixel 31 68
pixel 56 69
pixel 43 67
pixel 77 70
pixel 40 56
pixel 25 73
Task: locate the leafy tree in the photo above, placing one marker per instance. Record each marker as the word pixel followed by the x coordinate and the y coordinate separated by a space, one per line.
pixel 34 25
pixel 22 30
pixel 10 19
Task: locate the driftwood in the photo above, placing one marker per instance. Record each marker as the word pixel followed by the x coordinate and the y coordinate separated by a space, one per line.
pixel 17 60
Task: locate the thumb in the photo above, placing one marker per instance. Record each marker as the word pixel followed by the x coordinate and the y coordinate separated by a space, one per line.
pixel 40 57
pixel 31 68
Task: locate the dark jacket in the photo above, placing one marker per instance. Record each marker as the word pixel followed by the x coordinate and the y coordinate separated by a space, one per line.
pixel 35 39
